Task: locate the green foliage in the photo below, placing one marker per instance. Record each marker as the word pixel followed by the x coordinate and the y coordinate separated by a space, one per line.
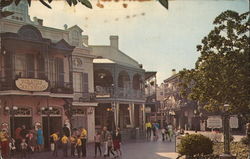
pixel 222 72
pixel 86 3
pixel 195 144
pixel 164 3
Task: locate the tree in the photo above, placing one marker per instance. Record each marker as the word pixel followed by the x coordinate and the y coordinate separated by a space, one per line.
pixel 86 3
pixel 221 75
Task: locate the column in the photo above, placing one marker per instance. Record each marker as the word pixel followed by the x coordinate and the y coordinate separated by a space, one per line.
pixel 131 114
pixel 116 113
pixel 143 116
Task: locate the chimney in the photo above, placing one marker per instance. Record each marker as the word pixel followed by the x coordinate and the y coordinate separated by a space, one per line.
pixel 173 71
pixel 114 41
pixel 85 39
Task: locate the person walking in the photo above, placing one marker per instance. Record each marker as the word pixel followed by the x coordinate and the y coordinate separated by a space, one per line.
pixel 117 139
pixel 31 141
pixel 105 134
pixel 78 146
pixel 148 129
pixel 110 146
pixel 72 145
pixel 54 138
pixel 4 143
pixel 18 138
pixel 163 131
pixel 66 130
pixel 97 139
pixel 39 138
pixel 65 141
pixel 84 141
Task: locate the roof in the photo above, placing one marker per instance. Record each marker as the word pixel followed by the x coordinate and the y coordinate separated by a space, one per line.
pixel 173 77
pixel 103 61
pixel 150 74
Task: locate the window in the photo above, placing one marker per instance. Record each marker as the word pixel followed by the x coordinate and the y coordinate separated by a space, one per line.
pixel 24 65
pixel 56 72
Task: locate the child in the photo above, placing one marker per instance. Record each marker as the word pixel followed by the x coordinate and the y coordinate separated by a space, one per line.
pixel 163 131
pixel 110 146
pixel 78 146
pixel 54 143
pixel 73 145
pixel 12 147
pixel 65 141
pixel 98 143
pixel 24 147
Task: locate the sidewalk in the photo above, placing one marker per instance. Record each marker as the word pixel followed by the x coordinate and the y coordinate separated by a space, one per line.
pixel 215 135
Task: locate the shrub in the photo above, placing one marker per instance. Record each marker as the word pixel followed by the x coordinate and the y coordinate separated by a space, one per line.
pixel 195 144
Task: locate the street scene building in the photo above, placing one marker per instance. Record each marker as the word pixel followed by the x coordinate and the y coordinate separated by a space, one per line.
pixel 119 88
pixel 46 75
pixel 66 91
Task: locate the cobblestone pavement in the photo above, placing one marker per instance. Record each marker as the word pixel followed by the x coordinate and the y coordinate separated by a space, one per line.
pixel 141 149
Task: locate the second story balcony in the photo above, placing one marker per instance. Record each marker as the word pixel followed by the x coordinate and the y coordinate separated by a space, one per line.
pixel 9 77
pixel 122 93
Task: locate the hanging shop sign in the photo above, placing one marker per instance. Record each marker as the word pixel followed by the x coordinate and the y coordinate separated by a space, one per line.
pixel 33 85
pixel 234 122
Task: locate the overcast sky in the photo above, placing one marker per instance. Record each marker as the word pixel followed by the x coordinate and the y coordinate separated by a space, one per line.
pixel 159 39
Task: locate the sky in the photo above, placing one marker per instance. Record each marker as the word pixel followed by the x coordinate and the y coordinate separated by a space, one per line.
pixel 159 39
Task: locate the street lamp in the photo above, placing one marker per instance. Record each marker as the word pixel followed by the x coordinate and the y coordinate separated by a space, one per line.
pixel 226 134
pixel 11 111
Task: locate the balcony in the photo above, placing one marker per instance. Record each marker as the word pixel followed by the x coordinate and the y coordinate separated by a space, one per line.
pixel 8 82
pixel 61 87
pixel 124 93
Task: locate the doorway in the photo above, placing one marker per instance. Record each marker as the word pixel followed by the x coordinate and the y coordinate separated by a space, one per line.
pixel 18 122
pixel 50 126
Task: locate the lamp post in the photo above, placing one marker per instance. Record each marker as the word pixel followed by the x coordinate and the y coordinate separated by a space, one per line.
pixel 12 111
pixel 226 134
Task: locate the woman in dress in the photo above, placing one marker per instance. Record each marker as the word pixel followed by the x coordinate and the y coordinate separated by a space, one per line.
pixel 117 141
pixel 39 139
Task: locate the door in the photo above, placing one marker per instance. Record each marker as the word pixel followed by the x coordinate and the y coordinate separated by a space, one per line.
pixel 18 122
pixel 50 126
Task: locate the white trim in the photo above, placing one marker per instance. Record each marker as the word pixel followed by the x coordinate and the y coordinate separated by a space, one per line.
pixel 17 92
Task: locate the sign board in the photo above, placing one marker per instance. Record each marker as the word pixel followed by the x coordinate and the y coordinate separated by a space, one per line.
pixel 214 122
pixel 234 122
pixel 33 85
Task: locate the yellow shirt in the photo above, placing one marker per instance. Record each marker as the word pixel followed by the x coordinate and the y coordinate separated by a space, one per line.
pixel 83 134
pixel 78 142
pixel 3 136
pixel 55 137
pixel 148 125
pixel 64 139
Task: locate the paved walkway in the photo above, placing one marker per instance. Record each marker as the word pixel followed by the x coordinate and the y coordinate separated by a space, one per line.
pixel 131 150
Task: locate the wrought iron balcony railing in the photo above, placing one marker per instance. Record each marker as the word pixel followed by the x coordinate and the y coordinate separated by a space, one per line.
pixel 112 92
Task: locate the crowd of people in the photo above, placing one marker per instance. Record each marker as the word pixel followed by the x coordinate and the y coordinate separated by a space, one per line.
pixel 166 130
pixel 26 142
pixel 22 142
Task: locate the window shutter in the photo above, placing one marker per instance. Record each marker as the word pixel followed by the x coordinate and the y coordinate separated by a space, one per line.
pixel 41 67
pixel 60 68
pixel 8 66
pixel 30 65
pixel 85 82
